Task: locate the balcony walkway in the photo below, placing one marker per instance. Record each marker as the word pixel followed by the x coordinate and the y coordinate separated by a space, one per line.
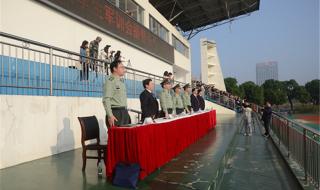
pixel 255 163
pixel 246 162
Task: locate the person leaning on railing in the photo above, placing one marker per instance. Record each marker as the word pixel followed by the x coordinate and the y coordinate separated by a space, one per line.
pixel 84 60
pixel 104 55
pixel 266 117
pixel 94 51
pixel 115 96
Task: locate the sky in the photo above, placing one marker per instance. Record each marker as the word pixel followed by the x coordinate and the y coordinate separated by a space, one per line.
pixel 286 31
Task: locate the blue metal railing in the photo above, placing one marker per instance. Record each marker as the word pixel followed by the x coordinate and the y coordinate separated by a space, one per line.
pixel 31 68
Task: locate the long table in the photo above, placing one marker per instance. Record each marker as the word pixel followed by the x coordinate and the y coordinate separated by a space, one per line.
pixel 153 145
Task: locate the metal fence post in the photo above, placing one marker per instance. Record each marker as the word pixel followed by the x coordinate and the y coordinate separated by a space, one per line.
pixel 279 131
pixel 51 74
pixel 288 137
pixel 154 88
pixel 134 84
pixel 305 156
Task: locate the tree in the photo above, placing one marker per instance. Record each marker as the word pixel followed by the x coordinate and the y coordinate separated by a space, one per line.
pixel 232 86
pixel 274 92
pixel 291 88
pixel 313 88
pixel 252 92
pixel 303 95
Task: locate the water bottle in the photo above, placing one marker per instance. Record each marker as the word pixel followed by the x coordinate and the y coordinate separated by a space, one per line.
pixel 99 168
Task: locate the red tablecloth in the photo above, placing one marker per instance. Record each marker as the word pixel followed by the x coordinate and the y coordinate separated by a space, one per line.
pixel 154 145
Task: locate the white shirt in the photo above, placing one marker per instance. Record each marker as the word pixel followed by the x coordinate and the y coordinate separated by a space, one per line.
pixel 247 113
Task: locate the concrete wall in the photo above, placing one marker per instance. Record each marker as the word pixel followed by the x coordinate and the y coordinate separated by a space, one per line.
pixel 182 67
pixel 32 127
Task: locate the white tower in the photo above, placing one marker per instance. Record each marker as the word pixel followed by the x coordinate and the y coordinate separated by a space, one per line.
pixel 210 64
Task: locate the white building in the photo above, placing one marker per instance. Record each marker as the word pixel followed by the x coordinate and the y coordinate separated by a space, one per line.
pixel 211 72
pixel 149 45
pixel 265 71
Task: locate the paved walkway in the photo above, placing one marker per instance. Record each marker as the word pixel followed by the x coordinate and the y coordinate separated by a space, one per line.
pixel 256 164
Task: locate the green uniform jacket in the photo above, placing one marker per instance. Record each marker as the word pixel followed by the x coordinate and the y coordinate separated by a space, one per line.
pixel 177 101
pixel 166 100
pixel 114 94
pixel 94 48
pixel 186 100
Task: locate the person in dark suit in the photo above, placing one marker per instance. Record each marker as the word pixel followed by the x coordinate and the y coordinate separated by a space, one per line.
pixel 266 118
pixel 201 100
pixel 194 100
pixel 148 101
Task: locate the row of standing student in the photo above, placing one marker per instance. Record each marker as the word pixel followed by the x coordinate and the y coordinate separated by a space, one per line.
pixel 89 55
pixel 115 98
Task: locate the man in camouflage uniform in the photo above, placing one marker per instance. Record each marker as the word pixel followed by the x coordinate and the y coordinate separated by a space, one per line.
pixel 94 52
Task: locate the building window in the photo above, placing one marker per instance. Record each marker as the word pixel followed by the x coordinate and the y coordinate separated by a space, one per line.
pixel 179 46
pixel 131 8
pixel 159 30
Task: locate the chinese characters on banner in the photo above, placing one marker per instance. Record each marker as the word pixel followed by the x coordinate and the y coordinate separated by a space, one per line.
pixel 105 15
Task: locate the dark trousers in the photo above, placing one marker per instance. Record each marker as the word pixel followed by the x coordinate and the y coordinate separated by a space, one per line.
pixel 94 62
pixel 189 108
pixel 179 110
pixel 122 116
pixel 162 114
pixel 266 126
pixel 84 73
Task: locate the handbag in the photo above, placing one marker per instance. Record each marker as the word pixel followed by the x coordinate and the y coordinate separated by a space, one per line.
pixel 126 175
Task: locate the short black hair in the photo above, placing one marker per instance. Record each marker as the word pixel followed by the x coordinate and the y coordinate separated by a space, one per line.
pixel 165 73
pixel 194 89
pixel 169 74
pixel 114 64
pixel 146 82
